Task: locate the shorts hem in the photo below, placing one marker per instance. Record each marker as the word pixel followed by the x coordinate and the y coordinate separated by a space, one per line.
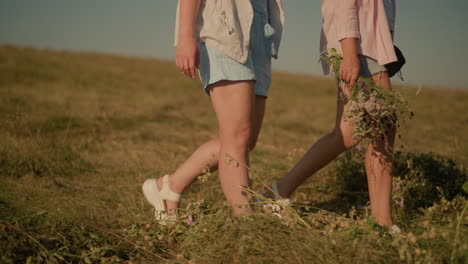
pixel 206 87
pixel 370 74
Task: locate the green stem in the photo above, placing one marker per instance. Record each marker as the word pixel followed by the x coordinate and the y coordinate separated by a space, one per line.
pixel 457 231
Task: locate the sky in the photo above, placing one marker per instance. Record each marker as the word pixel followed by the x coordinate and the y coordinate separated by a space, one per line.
pixel 433 34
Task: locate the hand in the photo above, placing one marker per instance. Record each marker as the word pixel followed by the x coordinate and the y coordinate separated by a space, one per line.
pixel 349 70
pixel 187 56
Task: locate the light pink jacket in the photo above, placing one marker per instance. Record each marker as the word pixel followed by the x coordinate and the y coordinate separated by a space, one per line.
pixel 362 19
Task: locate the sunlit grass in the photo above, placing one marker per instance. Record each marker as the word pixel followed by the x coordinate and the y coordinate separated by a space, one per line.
pixel 80 132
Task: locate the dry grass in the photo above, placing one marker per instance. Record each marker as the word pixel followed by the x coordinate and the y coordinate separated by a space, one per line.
pixel 80 132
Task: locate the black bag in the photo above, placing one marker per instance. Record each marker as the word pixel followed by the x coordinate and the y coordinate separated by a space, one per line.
pixel 394 67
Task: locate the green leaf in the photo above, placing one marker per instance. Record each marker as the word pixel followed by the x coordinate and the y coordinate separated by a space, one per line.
pixel 465 187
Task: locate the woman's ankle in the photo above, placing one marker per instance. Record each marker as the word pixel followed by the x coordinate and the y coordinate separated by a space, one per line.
pixel 242 209
pixel 385 222
pixel 282 192
pixel 172 184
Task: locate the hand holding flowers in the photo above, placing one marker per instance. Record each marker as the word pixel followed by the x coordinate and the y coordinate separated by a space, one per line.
pixel 373 110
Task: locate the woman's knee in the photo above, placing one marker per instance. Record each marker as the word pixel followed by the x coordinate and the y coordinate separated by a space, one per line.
pixel 346 139
pixel 239 138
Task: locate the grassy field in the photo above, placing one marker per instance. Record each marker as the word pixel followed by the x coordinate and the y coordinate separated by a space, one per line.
pixel 80 132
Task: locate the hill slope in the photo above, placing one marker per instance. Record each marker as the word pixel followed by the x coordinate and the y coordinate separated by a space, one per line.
pixel 80 132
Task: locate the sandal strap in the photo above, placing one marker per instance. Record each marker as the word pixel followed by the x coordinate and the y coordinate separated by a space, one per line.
pixel 166 192
pixel 274 188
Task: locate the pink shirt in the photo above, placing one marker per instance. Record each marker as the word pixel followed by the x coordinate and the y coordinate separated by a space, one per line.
pixel 362 19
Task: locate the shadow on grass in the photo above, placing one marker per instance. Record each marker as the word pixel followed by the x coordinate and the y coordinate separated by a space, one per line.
pixel 420 180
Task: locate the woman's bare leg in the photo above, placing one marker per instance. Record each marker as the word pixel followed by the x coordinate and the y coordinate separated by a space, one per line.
pixel 207 156
pixel 379 168
pixel 234 106
pixel 378 162
pixel 322 152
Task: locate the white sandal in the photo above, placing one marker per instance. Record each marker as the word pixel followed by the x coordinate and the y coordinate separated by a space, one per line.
pixel 394 230
pixel 279 202
pixel 157 198
pixel 282 202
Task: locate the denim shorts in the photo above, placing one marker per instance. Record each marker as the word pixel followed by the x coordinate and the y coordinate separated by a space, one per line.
pixel 215 66
pixel 370 66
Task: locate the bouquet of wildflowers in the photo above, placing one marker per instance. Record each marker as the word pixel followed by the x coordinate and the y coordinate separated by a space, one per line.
pixel 373 110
